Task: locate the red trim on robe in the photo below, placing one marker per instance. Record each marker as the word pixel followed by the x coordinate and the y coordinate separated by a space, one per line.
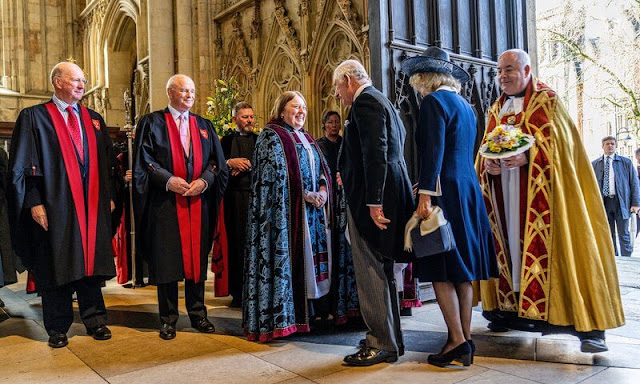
pixel 220 256
pixel 87 230
pixel 119 246
pixel 189 209
pixel 264 337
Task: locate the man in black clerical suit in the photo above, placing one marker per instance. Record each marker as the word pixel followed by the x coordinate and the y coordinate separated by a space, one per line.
pixel 380 201
pixel 238 150
pixel 60 198
pixel 180 176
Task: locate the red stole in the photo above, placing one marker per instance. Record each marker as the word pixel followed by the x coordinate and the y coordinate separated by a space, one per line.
pixel 88 226
pixel 535 209
pixel 189 209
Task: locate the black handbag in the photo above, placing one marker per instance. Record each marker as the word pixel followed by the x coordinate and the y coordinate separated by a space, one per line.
pixel 439 241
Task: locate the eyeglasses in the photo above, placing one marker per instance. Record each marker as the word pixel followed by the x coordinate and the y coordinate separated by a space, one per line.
pixel 76 80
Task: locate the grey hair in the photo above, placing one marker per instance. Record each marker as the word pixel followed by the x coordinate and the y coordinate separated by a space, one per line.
pixel 56 71
pixel 522 57
pixel 173 78
pixel 352 68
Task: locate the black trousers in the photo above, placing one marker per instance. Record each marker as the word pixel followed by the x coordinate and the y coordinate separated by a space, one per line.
pixel 614 216
pixel 168 301
pixel 57 305
pixel 236 210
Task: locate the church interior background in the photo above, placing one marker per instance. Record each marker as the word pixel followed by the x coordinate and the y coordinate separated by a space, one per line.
pixel 267 46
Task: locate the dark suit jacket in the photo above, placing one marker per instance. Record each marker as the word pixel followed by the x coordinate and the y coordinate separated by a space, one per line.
pixel 373 171
pixel 626 180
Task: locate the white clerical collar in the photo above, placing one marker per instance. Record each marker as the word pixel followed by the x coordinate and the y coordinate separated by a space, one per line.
pixel 360 90
pixel 446 88
pixel 175 113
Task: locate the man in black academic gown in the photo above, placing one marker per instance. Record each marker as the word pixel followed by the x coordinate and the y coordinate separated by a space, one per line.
pixel 180 175
pixel 238 150
pixel 60 198
pixel 379 204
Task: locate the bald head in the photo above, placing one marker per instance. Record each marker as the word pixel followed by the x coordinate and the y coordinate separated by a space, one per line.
pixel 181 92
pixel 514 71
pixel 68 82
pixel 520 56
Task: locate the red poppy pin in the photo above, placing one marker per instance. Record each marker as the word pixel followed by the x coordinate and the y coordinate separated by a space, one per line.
pixel 96 124
pixel 204 133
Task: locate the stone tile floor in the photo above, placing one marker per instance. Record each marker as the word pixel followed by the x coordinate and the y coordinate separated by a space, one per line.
pixel 136 354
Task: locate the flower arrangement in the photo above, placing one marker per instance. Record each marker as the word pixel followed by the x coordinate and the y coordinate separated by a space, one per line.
pixel 220 106
pixel 505 141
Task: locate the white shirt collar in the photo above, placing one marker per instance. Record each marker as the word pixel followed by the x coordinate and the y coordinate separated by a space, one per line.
pixel 360 90
pixel 175 113
pixel 62 105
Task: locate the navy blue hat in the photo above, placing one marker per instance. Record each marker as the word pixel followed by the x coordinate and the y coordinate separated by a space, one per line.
pixel 434 59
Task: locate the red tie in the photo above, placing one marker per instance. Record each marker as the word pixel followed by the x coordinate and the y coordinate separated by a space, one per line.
pixel 74 130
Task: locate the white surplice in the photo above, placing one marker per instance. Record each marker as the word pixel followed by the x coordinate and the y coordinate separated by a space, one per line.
pixel 511 194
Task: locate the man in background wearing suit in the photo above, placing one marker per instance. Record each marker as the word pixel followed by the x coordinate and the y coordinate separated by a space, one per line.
pixel 618 183
pixel 374 174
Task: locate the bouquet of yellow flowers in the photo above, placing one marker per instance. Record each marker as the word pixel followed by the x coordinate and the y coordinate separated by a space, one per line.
pixel 506 141
pixel 220 107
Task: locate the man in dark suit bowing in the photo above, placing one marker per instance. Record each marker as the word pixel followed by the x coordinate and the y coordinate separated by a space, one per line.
pixel 618 183
pixel 180 176
pixel 374 174
pixel 60 198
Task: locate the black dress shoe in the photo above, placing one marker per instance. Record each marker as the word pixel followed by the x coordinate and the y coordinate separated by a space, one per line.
pixel 362 343
pixel 406 311
pixel 168 331
pixel 495 327
pixel 461 353
pixel 370 356
pixel 58 340
pixel 236 303
pixel 101 332
pixel 203 325
pixel 593 345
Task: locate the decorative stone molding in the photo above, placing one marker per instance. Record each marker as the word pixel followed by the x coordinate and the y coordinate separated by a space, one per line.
pixel 256 24
pixel 287 28
pixel 346 7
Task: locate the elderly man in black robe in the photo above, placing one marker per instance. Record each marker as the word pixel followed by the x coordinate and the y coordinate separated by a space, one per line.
pixel 59 199
pixel 180 175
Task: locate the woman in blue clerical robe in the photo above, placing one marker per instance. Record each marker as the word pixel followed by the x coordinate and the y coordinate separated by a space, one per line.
pixel 288 251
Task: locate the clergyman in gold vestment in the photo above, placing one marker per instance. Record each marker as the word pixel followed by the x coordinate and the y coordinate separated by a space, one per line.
pixel 555 255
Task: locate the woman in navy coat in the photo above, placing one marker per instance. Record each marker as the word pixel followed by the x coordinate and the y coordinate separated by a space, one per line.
pixel 445 140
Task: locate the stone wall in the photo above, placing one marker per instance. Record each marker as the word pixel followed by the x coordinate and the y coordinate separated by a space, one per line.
pixel 35 36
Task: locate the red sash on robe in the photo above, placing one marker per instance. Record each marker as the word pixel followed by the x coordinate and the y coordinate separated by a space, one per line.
pixel 119 245
pixel 220 256
pixel 88 225
pixel 189 209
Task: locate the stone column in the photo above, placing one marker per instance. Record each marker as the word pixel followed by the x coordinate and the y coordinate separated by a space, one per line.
pixel 184 38
pixel 161 50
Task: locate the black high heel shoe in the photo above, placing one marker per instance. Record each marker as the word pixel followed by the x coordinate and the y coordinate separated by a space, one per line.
pixel 473 349
pixel 462 353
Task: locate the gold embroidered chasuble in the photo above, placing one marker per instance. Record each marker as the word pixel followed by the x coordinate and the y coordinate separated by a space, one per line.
pixel 568 274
